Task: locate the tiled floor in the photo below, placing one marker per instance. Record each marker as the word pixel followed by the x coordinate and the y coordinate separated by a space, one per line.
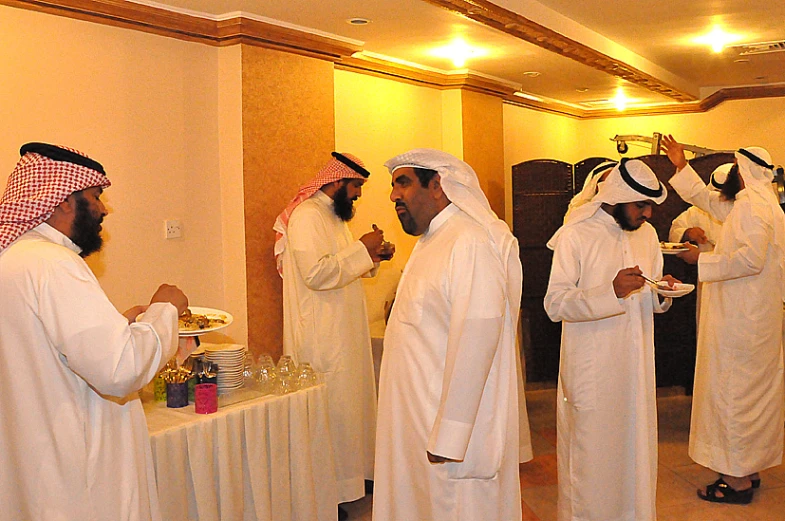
pixel 678 476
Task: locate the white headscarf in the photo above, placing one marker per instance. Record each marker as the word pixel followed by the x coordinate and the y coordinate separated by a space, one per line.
pixel 590 184
pixel 757 172
pixel 462 187
pixel 719 176
pixel 629 181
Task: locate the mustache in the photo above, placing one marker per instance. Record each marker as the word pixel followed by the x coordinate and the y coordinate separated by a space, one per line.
pixel 401 204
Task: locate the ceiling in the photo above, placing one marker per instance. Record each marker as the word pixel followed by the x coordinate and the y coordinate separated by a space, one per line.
pixel 572 53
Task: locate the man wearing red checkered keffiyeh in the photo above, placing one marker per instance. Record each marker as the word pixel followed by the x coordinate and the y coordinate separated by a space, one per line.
pixel 325 318
pixel 73 426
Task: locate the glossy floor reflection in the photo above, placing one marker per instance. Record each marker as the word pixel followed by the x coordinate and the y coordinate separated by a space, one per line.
pixel 678 476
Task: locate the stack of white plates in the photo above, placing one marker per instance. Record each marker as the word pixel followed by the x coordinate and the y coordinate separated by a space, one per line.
pixel 231 362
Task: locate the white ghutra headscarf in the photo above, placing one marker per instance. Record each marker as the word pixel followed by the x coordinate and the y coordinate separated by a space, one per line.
pixel 757 172
pixel 629 181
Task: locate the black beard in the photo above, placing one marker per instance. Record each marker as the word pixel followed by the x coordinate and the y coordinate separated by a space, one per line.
pixel 85 230
pixel 732 184
pixel 621 219
pixel 407 222
pixel 342 205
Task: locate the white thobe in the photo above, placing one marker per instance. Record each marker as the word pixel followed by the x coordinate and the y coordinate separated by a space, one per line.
pixel 606 405
pixel 326 324
pixel 737 405
pixel 694 217
pixel 449 383
pixel 73 436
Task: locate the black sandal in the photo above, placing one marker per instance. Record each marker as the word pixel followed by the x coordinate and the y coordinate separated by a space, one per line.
pixel 729 494
pixel 755 482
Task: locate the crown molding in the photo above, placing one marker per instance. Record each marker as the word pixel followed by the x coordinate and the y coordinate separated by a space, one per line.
pixel 184 26
pixel 238 28
pixel 501 19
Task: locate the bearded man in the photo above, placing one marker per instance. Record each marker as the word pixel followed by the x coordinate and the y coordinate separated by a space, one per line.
pixel 737 406
pixel 325 320
pixel 606 406
pixel 73 432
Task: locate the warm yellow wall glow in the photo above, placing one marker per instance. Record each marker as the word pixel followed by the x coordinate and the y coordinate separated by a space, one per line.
pixel 377 119
pixel 529 134
pixel 483 144
pixel 147 108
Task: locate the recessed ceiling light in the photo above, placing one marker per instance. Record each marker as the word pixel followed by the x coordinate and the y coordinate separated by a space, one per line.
pixel 459 52
pixel 358 21
pixel 582 89
pixel 742 61
pixel 531 74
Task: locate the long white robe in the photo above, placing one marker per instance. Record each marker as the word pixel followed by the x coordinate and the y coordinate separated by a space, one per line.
pixel 326 324
pixel 737 405
pixel 449 383
pixel 606 405
pixel 694 217
pixel 73 436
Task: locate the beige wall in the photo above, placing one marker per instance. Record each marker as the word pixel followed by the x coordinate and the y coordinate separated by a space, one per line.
pixel 147 108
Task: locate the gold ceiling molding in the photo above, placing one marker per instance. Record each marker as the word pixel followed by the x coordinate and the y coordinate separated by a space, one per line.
pixel 120 13
pixel 418 76
pixel 693 107
pixel 512 23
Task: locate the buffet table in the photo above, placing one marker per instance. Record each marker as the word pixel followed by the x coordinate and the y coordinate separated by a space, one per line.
pixel 267 458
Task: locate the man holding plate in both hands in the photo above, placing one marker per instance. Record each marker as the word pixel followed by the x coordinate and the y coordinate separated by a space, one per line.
pixel 737 406
pixel 73 433
pixel 604 257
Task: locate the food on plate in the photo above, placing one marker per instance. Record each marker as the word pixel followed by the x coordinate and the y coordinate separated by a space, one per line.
pixel 672 246
pixel 194 321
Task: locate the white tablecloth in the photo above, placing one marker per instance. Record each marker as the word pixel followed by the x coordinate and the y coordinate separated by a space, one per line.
pixel 268 458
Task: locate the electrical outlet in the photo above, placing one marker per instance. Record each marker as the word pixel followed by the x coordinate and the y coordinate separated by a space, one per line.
pixel 173 229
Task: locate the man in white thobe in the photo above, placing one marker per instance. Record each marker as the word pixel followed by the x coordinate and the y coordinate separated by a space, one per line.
pixel 325 318
pixel 737 407
pixel 449 435
pixel 606 397
pixel 699 227
pixel 73 433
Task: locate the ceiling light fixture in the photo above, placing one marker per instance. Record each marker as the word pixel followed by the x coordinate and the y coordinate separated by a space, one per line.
pixel 717 39
pixel 459 52
pixel 620 100
pixel 531 74
pixel 582 89
pixel 527 96
pixel 358 21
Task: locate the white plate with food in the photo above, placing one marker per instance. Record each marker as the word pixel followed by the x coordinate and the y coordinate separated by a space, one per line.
pixel 672 248
pixel 198 321
pixel 678 290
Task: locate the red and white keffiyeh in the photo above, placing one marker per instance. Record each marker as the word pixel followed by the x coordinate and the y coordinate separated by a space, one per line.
pixel 36 187
pixel 334 170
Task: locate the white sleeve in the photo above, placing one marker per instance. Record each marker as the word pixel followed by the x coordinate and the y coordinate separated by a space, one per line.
pixel 477 306
pixel 564 300
pixel 311 244
pixel 679 225
pixel 96 340
pixel 748 259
